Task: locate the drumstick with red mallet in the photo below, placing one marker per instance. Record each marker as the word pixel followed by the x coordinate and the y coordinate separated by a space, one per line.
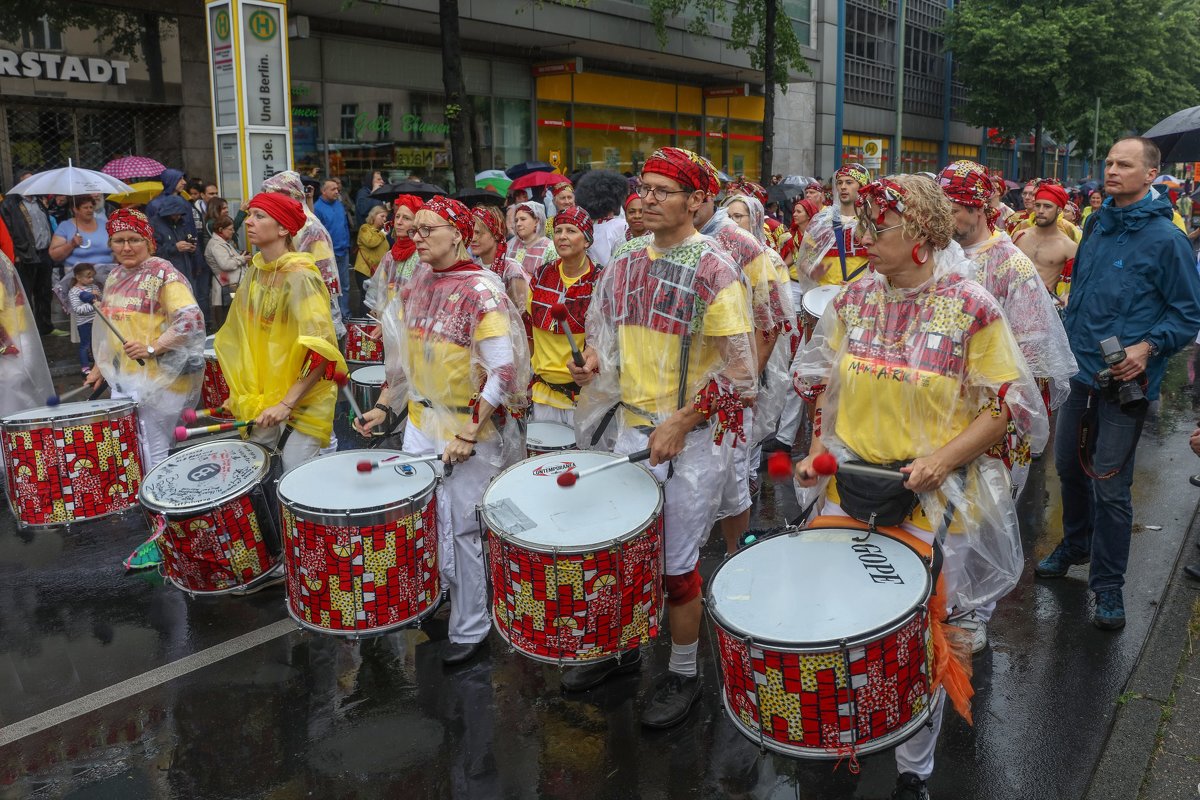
pixel 569 478
pixel 559 312
pixel 182 434
pixel 343 382
pixel 370 466
pixel 190 415
pixel 89 298
pixel 827 464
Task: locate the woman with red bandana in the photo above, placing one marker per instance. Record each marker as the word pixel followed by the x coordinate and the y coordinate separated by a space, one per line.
pixel 562 194
pixel 568 280
pixel 634 217
pixel 398 265
pixel 453 336
pixel 491 251
pixel 277 349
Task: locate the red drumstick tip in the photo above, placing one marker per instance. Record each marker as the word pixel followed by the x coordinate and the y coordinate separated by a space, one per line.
pixel 188 415
pixel 181 433
pixel 825 464
pixel 365 466
pixel 341 378
pixel 779 466
pixel 567 479
pixel 558 311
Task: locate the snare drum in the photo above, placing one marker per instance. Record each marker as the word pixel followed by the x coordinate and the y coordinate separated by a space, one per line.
pixel 814 303
pixel 213 501
pixel 548 437
pixel 576 572
pixel 214 392
pixel 366 383
pixel 73 462
pixel 360 347
pixel 359 549
pixel 824 640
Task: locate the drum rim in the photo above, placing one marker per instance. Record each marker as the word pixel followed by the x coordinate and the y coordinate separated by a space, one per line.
pixel 832 291
pixel 574 549
pixel 365 384
pixel 574 445
pixel 827 645
pixel 308 512
pixel 187 511
pixel 82 418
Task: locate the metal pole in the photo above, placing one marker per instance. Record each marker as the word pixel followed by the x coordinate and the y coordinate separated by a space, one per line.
pixel 946 100
pixel 840 90
pixel 1096 143
pixel 898 146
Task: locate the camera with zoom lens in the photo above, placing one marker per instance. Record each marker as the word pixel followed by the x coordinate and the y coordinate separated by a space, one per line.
pixel 1129 394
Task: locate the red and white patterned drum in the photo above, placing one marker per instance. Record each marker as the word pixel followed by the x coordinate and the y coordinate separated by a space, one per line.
pixel 360 347
pixel 824 641
pixel 359 549
pixel 73 462
pixel 212 501
pixel 214 391
pixel 576 572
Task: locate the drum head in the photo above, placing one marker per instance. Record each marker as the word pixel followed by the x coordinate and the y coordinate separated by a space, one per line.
pixel 550 436
pixel 818 587
pixel 204 476
pixel 65 411
pixel 369 376
pixel 526 505
pixel 332 484
pixel 815 300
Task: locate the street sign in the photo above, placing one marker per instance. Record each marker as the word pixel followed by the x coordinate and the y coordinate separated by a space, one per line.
pixel 873 154
pixel 572 67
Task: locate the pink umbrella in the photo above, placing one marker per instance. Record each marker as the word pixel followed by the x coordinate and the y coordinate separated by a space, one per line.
pixel 132 167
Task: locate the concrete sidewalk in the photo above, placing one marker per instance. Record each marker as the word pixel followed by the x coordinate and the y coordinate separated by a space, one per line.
pixel 1153 749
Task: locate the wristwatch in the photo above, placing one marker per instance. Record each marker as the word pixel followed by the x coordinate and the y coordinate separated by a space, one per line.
pixel 150 350
pixel 1153 347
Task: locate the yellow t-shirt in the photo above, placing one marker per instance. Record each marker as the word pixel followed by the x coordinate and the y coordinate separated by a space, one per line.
pixel 833 273
pixel 441 373
pixel 551 352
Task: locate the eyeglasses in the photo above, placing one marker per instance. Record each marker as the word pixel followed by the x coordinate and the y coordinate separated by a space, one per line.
pixel 739 216
pixel 660 194
pixel 866 227
pixel 114 244
pixel 425 230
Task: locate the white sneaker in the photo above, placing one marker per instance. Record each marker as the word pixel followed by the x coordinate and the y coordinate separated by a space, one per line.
pixel 977 628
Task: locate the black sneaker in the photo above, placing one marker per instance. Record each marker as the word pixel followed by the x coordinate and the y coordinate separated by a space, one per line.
pixel 1110 610
pixel 1057 563
pixel 579 679
pixel 673 699
pixel 910 787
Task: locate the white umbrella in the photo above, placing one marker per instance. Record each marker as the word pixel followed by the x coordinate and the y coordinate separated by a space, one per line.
pixel 70 180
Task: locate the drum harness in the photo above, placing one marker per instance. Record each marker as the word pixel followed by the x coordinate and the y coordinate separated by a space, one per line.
pixel 839 236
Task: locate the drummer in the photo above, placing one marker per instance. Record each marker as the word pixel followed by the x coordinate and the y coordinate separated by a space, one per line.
pixel 674 375
pixel 400 262
pixel 490 250
pixel 569 280
pixel 161 364
pixel 24 373
pixel 955 376
pixel 277 348
pixel 824 256
pixel 458 342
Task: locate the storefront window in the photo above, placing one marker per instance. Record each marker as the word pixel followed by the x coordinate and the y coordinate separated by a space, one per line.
pixel 619 139
pixel 689 133
pixel 745 147
pixel 553 136
pixel 508 139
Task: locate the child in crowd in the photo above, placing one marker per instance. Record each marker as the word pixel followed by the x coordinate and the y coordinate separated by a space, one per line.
pixel 83 314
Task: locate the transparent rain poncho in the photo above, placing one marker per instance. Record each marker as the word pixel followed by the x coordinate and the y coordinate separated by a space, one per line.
pixel 1032 315
pixel 152 304
pixel 279 316
pixel 903 372
pixel 450 338
pixel 771 302
pixel 531 256
pixel 816 257
pixel 383 285
pixel 653 311
pixel 24 373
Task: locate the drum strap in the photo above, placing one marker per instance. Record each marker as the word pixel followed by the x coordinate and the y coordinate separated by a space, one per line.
pixel 841 248
pixel 569 390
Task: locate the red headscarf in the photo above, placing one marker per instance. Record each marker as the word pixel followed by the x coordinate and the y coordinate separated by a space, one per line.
pixel 128 219
pixel 560 187
pixel 1054 193
pixel 856 171
pixel 885 194
pixel 685 168
pixel 494 222
pixel 285 210
pixel 575 215
pixel 453 212
pixel 630 199
pixel 810 208
pixel 404 246
pixel 749 188
pixel 967 183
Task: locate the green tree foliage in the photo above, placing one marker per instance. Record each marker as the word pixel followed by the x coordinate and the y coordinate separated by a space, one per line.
pixel 1038 65
pixel 123 30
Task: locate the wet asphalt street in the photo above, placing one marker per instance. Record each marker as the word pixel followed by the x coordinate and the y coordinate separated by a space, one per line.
pixel 226 698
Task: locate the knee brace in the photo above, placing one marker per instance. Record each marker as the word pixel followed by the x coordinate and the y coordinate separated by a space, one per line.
pixel 682 589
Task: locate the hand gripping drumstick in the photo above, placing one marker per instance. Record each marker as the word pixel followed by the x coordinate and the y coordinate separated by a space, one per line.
pixel 182 434
pixel 826 464
pixel 89 298
pixel 559 312
pixel 569 478
pixel 190 415
pixel 369 466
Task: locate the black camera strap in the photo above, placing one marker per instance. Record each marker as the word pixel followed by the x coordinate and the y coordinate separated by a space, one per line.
pixel 1089 432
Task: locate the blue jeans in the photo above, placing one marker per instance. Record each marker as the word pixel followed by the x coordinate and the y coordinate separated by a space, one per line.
pixel 1097 514
pixel 343 265
pixel 85 345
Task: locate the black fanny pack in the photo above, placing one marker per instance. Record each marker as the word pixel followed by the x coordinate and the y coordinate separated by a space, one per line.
pixel 875 501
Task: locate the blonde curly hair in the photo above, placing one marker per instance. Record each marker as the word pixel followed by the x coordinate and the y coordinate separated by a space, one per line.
pixel 927 211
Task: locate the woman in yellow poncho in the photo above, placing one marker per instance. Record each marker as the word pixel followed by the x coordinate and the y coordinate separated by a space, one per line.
pixel 277 349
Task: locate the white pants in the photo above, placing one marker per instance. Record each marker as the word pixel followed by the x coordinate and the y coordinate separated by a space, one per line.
pixel 545 413
pixel 790 419
pixel 299 447
pixel 460 543
pixel 735 493
pixel 689 496
pixel 916 755
pixel 156 425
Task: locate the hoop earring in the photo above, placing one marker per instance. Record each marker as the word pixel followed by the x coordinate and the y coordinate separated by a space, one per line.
pixel 915 251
